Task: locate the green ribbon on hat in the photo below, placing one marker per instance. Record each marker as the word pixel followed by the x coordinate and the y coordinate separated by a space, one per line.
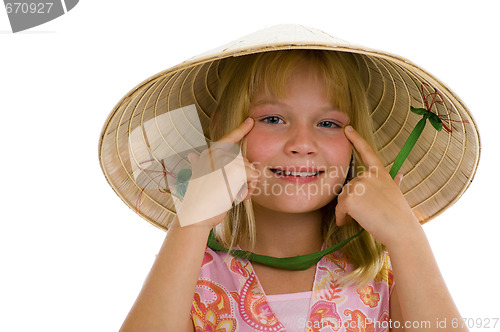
pixel 303 262
pixel 415 134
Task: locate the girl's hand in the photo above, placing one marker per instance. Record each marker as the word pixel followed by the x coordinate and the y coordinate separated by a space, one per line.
pixel 221 176
pixel 373 198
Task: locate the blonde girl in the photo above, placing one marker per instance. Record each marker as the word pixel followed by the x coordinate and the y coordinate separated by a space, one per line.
pixel 304 121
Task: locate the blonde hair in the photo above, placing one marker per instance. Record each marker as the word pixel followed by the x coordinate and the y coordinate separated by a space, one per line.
pixel 240 77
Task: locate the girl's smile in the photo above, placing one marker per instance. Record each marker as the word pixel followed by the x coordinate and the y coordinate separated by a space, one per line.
pixel 298 145
pixel 297 174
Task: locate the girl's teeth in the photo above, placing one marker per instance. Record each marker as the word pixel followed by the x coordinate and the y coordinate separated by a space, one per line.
pixel 301 174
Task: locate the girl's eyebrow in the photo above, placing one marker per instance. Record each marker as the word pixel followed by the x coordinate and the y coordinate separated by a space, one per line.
pixel 267 101
pixel 273 101
pixel 277 102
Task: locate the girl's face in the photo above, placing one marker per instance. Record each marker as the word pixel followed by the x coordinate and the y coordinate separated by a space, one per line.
pixel 298 145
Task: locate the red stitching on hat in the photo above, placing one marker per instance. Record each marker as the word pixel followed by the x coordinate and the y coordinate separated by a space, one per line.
pixel 435 95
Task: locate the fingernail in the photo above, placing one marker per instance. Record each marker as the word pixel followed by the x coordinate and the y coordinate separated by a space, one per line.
pixel 242 193
pixel 349 128
pixel 399 177
pixel 248 120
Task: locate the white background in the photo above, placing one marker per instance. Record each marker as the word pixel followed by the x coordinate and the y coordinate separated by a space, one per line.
pixel 73 256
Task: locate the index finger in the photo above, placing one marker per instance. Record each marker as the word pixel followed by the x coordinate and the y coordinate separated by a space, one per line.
pixel 239 132
pixel 364 149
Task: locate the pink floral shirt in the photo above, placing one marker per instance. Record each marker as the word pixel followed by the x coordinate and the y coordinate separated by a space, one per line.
pixel 229 298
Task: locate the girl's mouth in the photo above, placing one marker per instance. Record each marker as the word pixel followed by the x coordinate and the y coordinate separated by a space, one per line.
pixel 297 174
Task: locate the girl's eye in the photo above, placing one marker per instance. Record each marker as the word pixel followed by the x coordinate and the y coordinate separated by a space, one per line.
pixel 272 120
pixel 328 124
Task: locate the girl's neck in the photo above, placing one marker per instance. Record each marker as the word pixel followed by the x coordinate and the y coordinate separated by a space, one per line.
pixel 281 234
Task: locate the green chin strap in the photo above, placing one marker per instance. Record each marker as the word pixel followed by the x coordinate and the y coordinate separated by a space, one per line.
pixel 303 262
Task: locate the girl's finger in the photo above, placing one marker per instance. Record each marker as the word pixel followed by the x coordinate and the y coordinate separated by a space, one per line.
pixel 398 178
pixel 242 194
pixel 249 187
pixel 239 132
pixel 192 157
pixel 340 209
pixel 253 180
pixel 340 216
pixel 364 149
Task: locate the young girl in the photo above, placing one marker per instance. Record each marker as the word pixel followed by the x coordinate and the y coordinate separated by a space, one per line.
pixel 304 119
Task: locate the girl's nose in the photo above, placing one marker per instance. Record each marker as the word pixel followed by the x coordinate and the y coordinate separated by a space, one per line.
pixel 301 141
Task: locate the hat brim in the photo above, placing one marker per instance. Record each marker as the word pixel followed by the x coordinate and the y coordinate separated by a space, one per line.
pixel 436 173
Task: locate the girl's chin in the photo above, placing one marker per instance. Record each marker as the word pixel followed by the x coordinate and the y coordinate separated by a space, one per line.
pixel 296 198
pixel 291 203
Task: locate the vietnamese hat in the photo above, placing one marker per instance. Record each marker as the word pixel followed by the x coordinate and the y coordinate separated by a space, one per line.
pixel 149 132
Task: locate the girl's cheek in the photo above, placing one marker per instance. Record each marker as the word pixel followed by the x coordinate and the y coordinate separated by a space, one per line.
pixel 339 139
pixel 256 137
pixel 344 142
pixel 255 142
pixel 339 146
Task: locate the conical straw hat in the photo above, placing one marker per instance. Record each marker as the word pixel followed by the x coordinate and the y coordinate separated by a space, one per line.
pixel 149 132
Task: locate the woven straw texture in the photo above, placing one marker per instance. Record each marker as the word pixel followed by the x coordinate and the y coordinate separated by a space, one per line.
pixel 141 144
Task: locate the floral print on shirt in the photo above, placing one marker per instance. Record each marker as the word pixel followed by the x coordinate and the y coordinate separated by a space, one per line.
pixel 229 298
